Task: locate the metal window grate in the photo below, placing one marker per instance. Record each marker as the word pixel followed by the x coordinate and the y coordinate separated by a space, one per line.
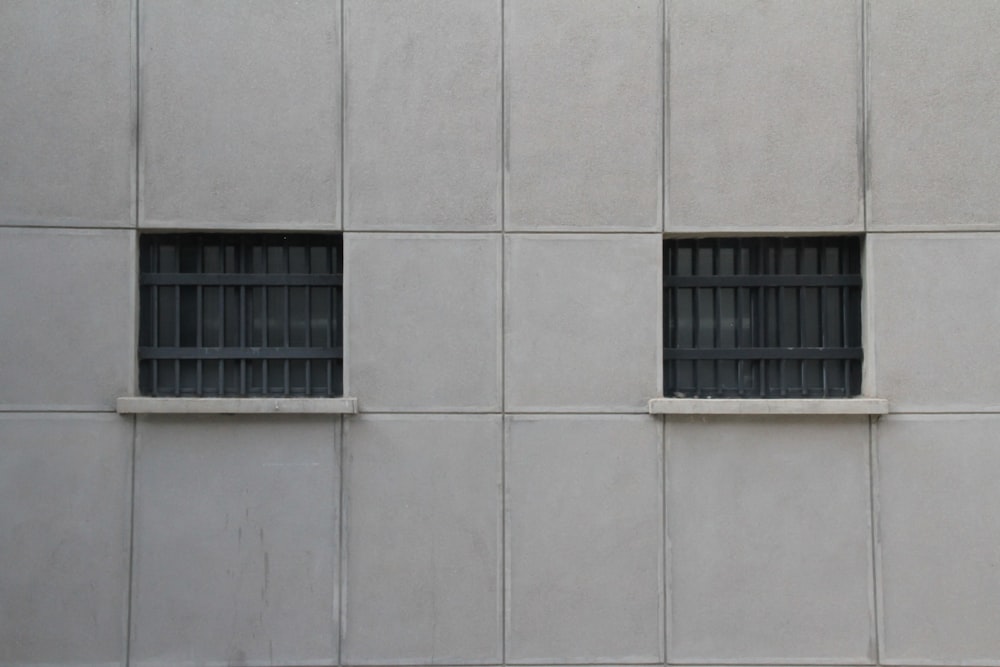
pixel 240 315
pixel 762 317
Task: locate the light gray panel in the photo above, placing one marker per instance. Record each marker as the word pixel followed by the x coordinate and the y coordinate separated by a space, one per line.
pixel 236 541
pixel 584 114
pixel 67 153
pixel 933 328
pixel 422 563
pixel 764 115
pixel 424 321
pixel 769 524
pixel 582 329
pixel 64 518
pixel 67 317
pixel 940 537
pixel 240 113
pixel 584 539
pixel 422 134
pixel 934 132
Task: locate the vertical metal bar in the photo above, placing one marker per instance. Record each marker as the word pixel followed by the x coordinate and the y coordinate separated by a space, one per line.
pixel 221 337
pixel 799 269
pixel 246 317
pixel 738 318
pixel 154 250
pixel 717 314
pixel 265 319
pixel 779 294
pixel 821 266
pixel 844 312
pixel 761 248
pixel 308 322
pixel 288 318
pixel 199 320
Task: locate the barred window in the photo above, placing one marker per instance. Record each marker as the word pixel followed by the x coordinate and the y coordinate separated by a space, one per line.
pixel 240 315
pixel 762 317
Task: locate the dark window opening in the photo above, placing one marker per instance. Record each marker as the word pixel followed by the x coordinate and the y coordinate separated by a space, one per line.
pixel 240 315
pixel 762 317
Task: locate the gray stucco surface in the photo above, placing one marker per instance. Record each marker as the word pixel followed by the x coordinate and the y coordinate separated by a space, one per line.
pixel 503 174
pixel 240 113
pixel 67 123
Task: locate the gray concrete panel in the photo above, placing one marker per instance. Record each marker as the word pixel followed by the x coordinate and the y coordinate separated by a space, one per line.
pixel 584 539
pixel 236 540
pixel 240 113
pixel 770 531
pixel 67 317
pixel 764 119
pixel 67 151
pixel 933 328
pixel 64 517
pixel 934 131
pixel 422 552
pixel 422 121
pixel 423 321
pixel 582 328
pixel 938 527
pixel 584 100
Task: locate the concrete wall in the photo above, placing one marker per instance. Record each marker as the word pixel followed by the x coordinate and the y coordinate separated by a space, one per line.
pixel 503 172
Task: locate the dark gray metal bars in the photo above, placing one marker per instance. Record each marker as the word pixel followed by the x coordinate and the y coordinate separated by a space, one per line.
pixel 762 317
pixel 240 315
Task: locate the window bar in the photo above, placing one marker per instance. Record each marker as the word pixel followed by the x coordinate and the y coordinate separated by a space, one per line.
pixel 823 338
pixel 308 323
pixel 245 321
pixel 695 324
pixel 177 335
pixel 288 319
pixel 778 294
pixel 717 315
pixel 154 262
pixel 761 333
pixel 844 309
pixel 199 320
pixel 264 322
pixel 738 321
pixel 330 255
pixel 674 293
pixel 222 333
pixel 799 261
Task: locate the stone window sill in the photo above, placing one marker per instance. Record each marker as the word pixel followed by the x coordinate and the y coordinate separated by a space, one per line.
pixel 768 406
pixel 216 406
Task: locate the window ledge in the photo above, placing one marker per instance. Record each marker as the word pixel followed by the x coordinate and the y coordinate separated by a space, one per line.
pixel 214 406
pixel 768 406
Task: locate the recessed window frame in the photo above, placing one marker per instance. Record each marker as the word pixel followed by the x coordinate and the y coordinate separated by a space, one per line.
pixel 793 402
pixel 235 342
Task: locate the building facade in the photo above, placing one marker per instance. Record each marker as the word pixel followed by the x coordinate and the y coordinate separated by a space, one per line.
pixel 502 175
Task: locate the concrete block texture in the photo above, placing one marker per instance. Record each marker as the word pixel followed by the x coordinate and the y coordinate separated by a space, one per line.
pixel 584 539
pixel 769 527
pixel 765 121
pixel 422 511
pixel 934 332
pixel 584 120
pixel 240 113
pixel 67 313
pixel 582 329
pixel 65 481
pixel 67 151
pixel 934 134
pixel 423 321
pixel 937 527
pixel 422 118
pixel 236 541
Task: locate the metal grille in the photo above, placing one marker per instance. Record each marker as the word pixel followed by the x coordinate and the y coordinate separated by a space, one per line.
pixel 762 317
pixel 240 315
